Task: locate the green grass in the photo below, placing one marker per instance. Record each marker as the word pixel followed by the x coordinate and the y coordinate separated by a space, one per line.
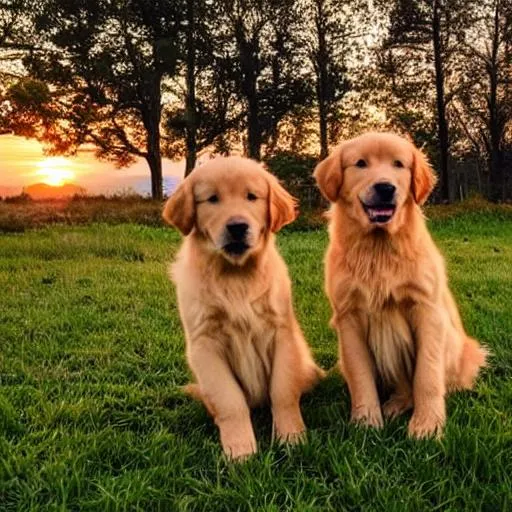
pixel 92 356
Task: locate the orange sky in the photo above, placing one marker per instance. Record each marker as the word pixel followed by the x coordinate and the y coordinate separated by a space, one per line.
pixel 22 162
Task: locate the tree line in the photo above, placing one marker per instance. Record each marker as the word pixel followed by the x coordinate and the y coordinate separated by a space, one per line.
pixel 173 78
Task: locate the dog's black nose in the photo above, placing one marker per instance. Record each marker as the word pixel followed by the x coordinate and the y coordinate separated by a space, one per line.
pixel 237 230
pixel 385 191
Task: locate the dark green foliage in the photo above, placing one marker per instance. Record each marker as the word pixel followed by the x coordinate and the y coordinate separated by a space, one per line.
pixel 296 172
pixel 292 168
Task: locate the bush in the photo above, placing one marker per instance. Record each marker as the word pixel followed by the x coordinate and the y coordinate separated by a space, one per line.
pixel 291 168
pixel 296 173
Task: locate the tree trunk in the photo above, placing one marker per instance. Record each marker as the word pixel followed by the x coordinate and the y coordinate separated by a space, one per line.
pixel 249 65
pixel 273 133
pixel 496 177
pixel 324 139
pixel 322 80
pixel 444 144
pixel 253 128
pixel 496 190
pixel 191 111
pixel 496 181
pixel 155 165
pixel 151 118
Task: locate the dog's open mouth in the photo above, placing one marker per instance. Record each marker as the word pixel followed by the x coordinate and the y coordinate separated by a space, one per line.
pixel 379 213
pixel 235 248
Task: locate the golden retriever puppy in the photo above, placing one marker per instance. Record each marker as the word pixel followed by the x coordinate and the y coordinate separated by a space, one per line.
pixel 243 342
pixel 396 320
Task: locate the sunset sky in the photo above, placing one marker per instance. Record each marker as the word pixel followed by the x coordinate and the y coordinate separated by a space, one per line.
pixel 22 163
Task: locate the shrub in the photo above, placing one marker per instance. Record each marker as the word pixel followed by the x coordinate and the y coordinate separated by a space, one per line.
pixel 296 172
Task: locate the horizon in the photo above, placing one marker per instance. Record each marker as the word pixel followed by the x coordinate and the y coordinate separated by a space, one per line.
pixel 23 163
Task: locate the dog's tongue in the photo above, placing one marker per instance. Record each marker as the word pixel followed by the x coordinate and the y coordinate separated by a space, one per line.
pixel 380 212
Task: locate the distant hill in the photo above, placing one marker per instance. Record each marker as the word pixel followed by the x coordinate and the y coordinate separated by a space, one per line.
pixel 44 191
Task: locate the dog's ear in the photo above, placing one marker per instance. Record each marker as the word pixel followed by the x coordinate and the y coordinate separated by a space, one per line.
pixel 329 175
pixel 423 178
pixel 282 206
pixel 180 210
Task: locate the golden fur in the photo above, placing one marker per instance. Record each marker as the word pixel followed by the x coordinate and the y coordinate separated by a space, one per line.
pixel 396 320
pixel 244 344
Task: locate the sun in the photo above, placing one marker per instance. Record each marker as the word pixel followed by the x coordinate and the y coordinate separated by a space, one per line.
pixel 55 171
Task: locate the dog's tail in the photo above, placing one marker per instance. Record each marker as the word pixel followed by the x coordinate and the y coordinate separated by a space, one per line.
pixel 473 357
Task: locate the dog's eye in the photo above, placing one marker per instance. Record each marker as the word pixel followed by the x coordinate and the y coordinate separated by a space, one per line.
pixel 213 199
pixel 251 197
pixel 361 163
pixel 398 163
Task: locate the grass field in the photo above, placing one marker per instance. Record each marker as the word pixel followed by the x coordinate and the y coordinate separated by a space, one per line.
pixel 91 359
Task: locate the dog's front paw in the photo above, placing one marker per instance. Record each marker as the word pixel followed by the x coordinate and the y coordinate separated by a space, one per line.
pixel 367 416
pixel 427 424
pixel 397 405
pixel 294 436
pixel 239 450
pixel 288 424
pixel 237 438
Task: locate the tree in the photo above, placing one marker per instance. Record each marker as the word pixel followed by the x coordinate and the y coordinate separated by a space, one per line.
pixel 16 27
pixel 486 96
pixel 217 117
pixel 284 85
pixel 260 36
pixel 191 34
pixel 246 21
pixel 105 67
pixel 204 110
pixel 245 75
pixel 17 37
pixel 327 33
pixel 425 35
pixel 201 113
pixel 444 141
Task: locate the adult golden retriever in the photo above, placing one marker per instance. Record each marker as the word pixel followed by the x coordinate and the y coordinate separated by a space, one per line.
pixel 244 344
pixel 396 320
